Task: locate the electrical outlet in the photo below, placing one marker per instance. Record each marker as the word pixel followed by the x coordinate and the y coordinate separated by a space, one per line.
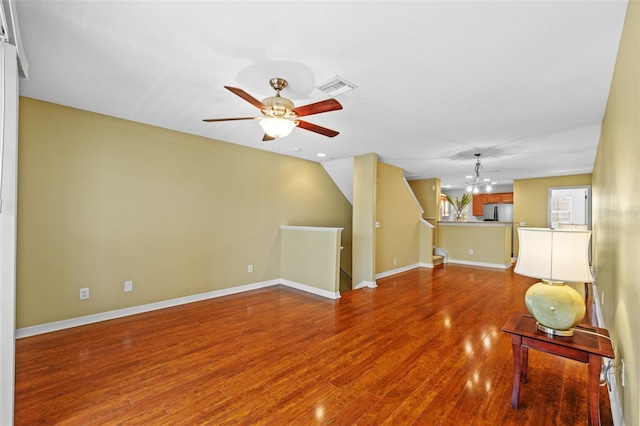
pixel 128 286
pixel 470 251
pixel 250 268
pixel 602 299
pixel 84 293
pixel 394 262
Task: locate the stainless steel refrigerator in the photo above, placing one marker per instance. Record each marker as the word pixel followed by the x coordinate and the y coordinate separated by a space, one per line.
pixel 502 212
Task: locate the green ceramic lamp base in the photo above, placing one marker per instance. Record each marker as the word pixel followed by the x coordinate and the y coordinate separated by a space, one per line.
pixel 557 307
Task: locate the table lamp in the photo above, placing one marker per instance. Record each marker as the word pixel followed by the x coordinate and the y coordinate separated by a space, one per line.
pixel 556 257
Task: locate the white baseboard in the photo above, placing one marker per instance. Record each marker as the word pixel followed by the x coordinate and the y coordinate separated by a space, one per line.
pixel 309 289
pixel 614 398
pixel 614 395
pixel 482 264
pixel 363 284
pixel 397 271
pixel 119 313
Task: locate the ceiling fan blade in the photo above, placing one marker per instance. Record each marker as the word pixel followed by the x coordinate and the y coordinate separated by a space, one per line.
pixel 211 120
pixel 247 97
pixel 317 108
pixel 268 138
pixel 318 129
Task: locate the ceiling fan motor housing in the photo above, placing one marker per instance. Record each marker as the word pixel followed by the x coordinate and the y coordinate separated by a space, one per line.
pixel 276 106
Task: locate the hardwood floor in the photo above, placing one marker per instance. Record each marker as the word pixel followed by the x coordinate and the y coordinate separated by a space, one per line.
pixel 424 348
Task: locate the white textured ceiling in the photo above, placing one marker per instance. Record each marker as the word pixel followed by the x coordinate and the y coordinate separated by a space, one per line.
pixel 525 83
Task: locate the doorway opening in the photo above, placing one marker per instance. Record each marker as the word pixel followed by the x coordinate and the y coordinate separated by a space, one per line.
pixel 570 207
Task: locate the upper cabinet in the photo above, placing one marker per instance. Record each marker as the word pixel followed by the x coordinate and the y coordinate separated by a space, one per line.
pixel 479 200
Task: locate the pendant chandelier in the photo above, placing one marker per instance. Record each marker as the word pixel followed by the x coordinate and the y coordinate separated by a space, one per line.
pixel 478 184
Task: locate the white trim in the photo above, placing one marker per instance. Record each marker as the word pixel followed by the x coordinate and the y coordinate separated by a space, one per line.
pixel 397 271
pixel 422 220
pixel 404 269
pixel 363 284
pixel 310 228
pixel 594 289
pixel 8 226
pixel 614 398
pixel 119 313
pixel 614 395
pixel 482 264
pixel 320 292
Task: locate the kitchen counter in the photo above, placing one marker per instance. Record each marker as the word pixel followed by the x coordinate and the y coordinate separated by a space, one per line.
pixel 477 243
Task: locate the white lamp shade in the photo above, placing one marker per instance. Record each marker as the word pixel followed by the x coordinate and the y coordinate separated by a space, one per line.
pixel 554 255
pixel 277 127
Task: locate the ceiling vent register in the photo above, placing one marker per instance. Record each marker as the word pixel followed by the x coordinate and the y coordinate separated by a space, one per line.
pixel 335 86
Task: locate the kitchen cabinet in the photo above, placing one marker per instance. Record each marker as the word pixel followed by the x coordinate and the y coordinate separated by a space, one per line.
pixel 479 200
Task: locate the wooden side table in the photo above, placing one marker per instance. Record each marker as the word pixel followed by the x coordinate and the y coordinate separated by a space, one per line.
pixel 584 347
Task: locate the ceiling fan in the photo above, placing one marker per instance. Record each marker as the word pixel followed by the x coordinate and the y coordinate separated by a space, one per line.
pixel 280 115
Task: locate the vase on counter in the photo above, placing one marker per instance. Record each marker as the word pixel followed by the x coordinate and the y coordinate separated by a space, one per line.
pixel 459 206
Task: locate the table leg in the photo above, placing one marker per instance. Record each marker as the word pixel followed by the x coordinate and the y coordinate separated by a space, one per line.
pixel 595 364
pixel 524 366
pixel 516 344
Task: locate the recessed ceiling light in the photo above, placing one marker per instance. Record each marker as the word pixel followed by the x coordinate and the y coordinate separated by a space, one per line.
pixel 321 154
pixel 297 149
pixel 468 177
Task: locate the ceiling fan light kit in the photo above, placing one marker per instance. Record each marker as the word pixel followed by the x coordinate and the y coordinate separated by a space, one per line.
pixel 277 127
pixel 279 115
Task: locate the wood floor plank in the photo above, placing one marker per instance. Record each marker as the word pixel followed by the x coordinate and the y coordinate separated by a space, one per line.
pixel 424 347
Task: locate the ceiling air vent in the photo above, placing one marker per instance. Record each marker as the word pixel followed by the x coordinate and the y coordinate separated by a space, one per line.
pixel 335 86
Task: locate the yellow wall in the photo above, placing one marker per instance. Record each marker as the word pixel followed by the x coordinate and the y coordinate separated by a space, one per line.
pixel 426 243
pixel 311 257
pixel 531 200
pixel 490 243
pixel 398 236
pixel 616 213
pixel 427 192
pixel 104 200
pixel 364 217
